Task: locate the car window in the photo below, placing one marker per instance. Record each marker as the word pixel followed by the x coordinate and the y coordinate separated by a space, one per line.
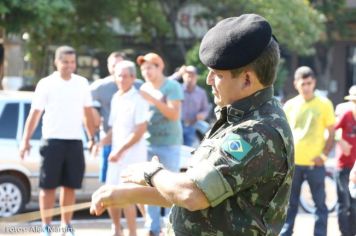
pixel 38 133
pixel 9 120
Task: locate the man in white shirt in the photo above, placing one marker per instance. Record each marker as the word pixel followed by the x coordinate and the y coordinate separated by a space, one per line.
pixel 102 91
pixel 128 119
pixel 63 97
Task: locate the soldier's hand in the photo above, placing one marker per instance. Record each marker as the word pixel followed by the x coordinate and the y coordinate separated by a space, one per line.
pixel 109 196
pixel 135 173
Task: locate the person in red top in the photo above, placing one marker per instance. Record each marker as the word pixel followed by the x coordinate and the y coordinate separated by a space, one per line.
pixel 346 157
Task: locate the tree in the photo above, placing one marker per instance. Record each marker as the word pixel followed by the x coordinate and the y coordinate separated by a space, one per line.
pixel 296 25
pixel 338 18
pixel 84 24
pixel 18 16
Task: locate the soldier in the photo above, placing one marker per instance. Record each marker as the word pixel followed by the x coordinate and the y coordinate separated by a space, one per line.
pixel 240 184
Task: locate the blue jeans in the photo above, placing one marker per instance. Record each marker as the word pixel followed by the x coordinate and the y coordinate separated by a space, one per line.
pixel 316 180
pixel 189 135
pixel 169 157
pixel 346 206
pixel 104 163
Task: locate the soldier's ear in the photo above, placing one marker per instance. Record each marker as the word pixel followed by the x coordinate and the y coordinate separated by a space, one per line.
pixel 247 79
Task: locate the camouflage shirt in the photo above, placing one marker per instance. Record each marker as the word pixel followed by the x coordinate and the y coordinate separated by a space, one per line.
pixel 244 166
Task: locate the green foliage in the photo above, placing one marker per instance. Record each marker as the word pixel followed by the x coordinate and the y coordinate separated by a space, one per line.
pixel 18 15
pixel 84 24
pixel 282 75
pixel 296 24
pixel 337 18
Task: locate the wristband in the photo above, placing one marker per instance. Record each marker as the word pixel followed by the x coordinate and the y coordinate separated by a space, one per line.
pixel 149 175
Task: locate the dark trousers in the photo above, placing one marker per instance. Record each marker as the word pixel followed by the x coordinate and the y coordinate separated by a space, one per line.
pixel 346 206
pixel 315 177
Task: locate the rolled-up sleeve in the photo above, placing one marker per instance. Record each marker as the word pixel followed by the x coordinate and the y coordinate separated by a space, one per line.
pixel 211 182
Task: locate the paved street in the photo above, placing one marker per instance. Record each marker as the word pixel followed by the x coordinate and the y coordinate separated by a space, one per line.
pixel 95 227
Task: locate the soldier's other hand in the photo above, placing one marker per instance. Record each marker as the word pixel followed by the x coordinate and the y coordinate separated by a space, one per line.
pixel 100 200
pixel 135 173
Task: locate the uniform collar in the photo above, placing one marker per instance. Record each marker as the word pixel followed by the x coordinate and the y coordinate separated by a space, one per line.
pixel 236 111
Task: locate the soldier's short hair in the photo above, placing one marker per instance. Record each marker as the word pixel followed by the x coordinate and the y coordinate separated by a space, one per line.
pixel 265 65
pixel 237 43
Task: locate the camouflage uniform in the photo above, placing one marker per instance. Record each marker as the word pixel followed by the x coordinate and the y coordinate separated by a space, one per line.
pixel 244 166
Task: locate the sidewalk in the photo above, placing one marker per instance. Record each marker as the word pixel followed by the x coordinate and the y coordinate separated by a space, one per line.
pixel 303 227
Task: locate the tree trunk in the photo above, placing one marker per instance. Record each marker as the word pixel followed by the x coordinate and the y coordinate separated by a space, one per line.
pixel 170 9
pixel 323 61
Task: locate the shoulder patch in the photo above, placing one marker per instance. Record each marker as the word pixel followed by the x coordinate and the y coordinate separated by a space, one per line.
pixel 236 146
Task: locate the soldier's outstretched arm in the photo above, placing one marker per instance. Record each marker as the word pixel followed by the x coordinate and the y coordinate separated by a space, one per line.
pixel 177 188
pixel 124 195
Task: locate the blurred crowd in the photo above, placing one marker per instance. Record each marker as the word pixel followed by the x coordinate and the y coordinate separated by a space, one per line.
pixel 129 121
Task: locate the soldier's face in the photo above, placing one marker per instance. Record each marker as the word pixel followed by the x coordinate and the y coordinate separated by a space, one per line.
pixel 225 88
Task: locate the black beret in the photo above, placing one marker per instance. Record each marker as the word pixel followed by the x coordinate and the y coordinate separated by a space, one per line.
pixel 235 42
